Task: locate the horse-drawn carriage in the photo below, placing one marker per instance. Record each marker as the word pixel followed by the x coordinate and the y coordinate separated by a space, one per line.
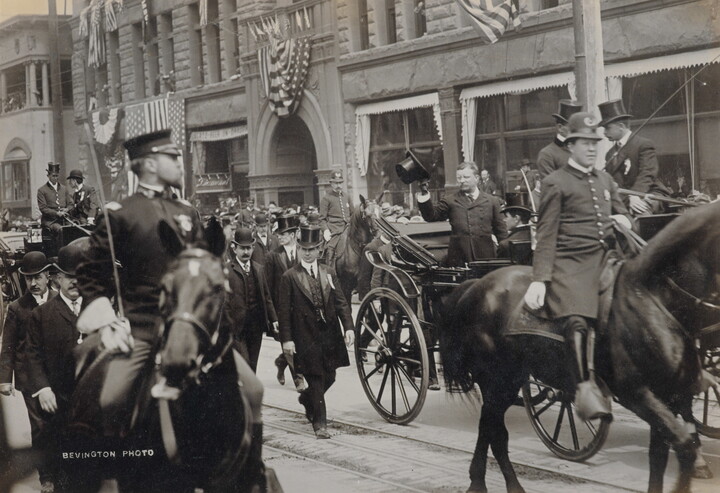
pixel 401 320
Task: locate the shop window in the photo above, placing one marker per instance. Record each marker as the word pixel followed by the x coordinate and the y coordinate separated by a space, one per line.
pixel 391 21
pixel 644 94
pixel 391 135
pixel 363 24
pixel 217 157
pixel 15 179
pixel 66 82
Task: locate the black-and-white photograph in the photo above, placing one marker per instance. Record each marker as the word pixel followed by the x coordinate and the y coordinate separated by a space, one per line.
pixel 359 246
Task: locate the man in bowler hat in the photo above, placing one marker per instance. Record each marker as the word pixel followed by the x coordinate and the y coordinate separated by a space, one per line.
pixel 517 217
pixel 85 199
pixel 52 336
pixel 335 211
pixel 13 359
pixel 250 305
pixel 574 236
pixel 631 161
pixel 54 201
pixel 555 155
pixel 474 217
pixel 311 316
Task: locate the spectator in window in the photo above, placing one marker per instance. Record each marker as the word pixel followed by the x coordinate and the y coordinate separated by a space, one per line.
pixel 486 184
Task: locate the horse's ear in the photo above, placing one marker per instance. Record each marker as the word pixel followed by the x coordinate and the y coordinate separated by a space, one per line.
pixel 215 237
pixel 170 239
pixel 363 201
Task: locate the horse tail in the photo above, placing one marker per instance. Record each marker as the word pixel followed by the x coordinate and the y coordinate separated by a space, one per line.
pixel 463 334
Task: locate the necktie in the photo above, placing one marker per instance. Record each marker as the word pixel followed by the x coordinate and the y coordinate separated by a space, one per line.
pixel 75 308
pixel 246 267
pixel 291 257
pixel 312 272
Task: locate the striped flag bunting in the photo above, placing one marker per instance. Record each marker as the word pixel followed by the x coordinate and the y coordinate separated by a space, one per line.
pixel 91 26
pixel 491 18
pixel 158 114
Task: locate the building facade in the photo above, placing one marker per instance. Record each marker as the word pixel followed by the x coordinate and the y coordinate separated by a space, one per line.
pixel 27 128
pixel 379 77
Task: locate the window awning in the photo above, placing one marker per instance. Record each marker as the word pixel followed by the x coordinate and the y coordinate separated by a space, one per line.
pixel 421 101
pixel 657 64
pixel 518 85
pixel 219 134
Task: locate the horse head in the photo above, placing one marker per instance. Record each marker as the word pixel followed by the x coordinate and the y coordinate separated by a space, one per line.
pixel 368 211
pixel 193 294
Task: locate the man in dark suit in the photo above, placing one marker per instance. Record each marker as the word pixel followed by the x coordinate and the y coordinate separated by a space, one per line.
pixel 517 217
pixel 250 305
pixel 52 336
pixel 335 211
pixel 278 262
pixel 265 241
pixel 474 217
pixel 575 233
pixel 311 315
pixel 53 200
pixel 246 217
pixel 632 161
pixel 555 155
pixel 85 199
pixel 13 358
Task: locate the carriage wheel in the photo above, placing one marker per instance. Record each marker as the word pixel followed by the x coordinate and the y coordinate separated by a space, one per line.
pixel 393 366
pixel 706 405
pixel 552 415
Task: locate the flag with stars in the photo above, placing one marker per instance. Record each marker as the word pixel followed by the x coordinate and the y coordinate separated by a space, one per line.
pixel 284 65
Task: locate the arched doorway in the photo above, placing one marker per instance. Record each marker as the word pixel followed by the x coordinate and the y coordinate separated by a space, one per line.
pixel 292 154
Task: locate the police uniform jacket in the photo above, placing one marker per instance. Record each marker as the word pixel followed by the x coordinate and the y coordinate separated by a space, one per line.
pixel 50 201
pixel 86 204
pixel 319 346
pixel 472 221
pixel 144 260
pixel 334 212
pixel 262 250
pixel 276 264
pixel 237 302
pixel 573 235
pixel 635 166
pixel 552 157
pixel 14 341
pixel 518 233
pixel 52 336
pixel 246 217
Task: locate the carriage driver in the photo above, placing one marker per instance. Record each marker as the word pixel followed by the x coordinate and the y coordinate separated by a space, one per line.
pixel 574 235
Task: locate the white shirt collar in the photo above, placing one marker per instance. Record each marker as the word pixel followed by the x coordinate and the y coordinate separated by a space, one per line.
pixel 156 188
pixel 624 139
pixel 574 164
pixel 69 302
pixel 307 266
pixel 474 194
pixel 42 299
pixel 55 186
pixel 80 187
pixel 244 265
pixel 560 138
pixel 290 249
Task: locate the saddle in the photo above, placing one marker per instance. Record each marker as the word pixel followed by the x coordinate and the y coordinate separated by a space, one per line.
pixel 524 321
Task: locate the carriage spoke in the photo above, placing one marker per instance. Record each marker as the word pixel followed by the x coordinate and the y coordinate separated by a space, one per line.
pixel 373 372
pixel 403 394
pixel 382 386
pixel 543 409
pixel 591 427
pixel 409 378
pixel 408 360
pixel 379 324
pixel 573 430
pixel 392 389
pixel 558 425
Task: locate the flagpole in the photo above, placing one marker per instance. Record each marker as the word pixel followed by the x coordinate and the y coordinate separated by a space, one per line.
pixel 589 57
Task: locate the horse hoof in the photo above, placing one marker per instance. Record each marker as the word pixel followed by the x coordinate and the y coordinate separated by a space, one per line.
pixel 702 472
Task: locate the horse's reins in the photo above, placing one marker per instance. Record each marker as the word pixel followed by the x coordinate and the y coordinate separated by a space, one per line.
pixel 697 301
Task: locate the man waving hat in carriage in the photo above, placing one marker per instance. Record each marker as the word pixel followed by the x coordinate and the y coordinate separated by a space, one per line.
pixel 574 236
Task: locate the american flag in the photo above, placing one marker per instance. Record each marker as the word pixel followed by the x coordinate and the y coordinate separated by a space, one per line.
pixel 491 17
pixel 284 66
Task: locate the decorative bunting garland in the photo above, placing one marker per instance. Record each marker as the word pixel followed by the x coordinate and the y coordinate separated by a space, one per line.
pixel 91 25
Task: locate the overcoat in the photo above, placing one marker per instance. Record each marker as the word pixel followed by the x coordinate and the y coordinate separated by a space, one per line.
pixel 519 233
pixel 261 251
pixel 319 347
pixel 134 223
pixel 52 336
pixel 14 341
pixel 635 167
pixel 86 204
pixel 334 212
pixel 236 302
pixel 552 157
pixel 50 201
pixel 276 264
pixel 574 233
pixel 472 222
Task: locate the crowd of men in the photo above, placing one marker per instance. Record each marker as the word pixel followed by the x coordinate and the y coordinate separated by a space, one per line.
pixel 280 268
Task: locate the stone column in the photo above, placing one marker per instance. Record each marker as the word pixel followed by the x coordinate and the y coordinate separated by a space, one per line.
pixel 27 83
pixel 3 88
pixel 32 85
pixel 45 85
pixel 451 117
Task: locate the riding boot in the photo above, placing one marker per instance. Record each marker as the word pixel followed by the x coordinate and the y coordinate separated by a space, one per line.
pixel 330 256
pixel 255 475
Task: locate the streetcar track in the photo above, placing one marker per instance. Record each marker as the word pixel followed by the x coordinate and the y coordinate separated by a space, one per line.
pixel 344 469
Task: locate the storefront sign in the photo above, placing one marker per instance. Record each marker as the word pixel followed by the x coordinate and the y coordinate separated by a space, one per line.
pixel 213 183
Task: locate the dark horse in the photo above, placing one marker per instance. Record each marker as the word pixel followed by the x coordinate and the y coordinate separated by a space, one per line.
pixel 192 426
pixel 359 233
pixel 646 354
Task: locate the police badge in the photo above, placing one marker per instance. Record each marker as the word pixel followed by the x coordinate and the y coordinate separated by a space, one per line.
pixel 606 194
pixel 627 166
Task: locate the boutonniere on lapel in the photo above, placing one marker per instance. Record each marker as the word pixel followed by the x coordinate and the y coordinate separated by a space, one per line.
pixel 330 282
pixel 184 223
pixel 607 195
pixel 627 165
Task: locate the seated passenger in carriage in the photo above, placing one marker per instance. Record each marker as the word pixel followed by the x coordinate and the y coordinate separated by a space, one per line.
pixel 517 217
pixel 85 199
pixel 574 236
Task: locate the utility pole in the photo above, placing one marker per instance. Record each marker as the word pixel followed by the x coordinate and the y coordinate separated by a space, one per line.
pixel 56 84
pixel 589 59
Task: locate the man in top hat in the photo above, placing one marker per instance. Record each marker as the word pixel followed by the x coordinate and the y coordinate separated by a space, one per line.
pixel 517 217
pixel 137 246
pixel 250 305
pixel 474 217
pixel 265 240
pixel 278 262
pixel 85 199
pixel 554 155
pixel 13 358
pixel 52 336
pixel 574 236
pixel 632 161
pixel 335 211
pixel 53 200
pixel 311 315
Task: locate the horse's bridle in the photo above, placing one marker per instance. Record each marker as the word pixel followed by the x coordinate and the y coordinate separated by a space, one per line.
pixel 696 301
